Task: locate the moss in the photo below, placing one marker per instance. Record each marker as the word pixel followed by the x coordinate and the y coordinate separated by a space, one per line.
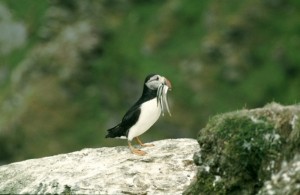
pixel 241 150
pixel 67 190
pixel 206 184
pixel 246 144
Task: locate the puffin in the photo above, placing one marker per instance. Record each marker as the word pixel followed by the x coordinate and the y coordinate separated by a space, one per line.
pixel 143 114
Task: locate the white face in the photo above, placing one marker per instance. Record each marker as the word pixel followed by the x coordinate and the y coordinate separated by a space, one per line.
pixel 155 81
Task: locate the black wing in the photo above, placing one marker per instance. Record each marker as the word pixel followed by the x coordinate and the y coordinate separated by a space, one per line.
pixel 131 116
pixel 129 119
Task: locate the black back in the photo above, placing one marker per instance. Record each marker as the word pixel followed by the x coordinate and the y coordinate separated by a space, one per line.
pixel 132 115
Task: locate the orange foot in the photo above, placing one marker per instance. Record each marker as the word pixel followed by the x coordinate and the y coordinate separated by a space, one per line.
pixel 142 144
pixel 147 145
pixel 138 152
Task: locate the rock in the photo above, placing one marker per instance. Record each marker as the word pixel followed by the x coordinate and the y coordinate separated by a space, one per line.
pixel 167 169
pixel 286 181
pixel 244 150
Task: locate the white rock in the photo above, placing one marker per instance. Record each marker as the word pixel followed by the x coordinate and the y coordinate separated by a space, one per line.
pixel 168 168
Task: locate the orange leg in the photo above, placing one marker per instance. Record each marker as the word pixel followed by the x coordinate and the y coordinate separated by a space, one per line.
pixel 136 151
pixel 141 143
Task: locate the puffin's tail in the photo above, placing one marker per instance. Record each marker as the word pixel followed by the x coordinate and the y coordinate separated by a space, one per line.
pixel 116 131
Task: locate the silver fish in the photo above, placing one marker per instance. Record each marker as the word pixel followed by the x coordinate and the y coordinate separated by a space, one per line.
pixel 165 98
pixel 162 99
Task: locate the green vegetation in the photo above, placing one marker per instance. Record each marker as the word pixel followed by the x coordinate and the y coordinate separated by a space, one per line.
pixel 244 146
pixel 241 150
pixel 83 62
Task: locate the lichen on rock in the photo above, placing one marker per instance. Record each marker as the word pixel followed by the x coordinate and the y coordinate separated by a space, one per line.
pixel 286 181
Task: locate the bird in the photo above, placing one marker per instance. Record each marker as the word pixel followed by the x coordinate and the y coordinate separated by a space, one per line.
pixel 144 113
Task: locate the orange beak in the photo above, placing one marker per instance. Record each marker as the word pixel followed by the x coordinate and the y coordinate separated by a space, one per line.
pixel 168 83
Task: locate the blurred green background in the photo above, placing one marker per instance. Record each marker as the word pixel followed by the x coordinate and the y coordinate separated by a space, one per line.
pixel 70 69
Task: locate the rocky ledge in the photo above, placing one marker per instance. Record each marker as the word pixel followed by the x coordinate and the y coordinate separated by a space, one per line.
pixel 168 168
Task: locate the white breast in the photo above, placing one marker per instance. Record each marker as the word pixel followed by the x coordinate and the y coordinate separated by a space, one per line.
pixel 150 112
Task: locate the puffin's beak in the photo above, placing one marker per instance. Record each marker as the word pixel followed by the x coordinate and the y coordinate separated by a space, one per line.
pixel 168 83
